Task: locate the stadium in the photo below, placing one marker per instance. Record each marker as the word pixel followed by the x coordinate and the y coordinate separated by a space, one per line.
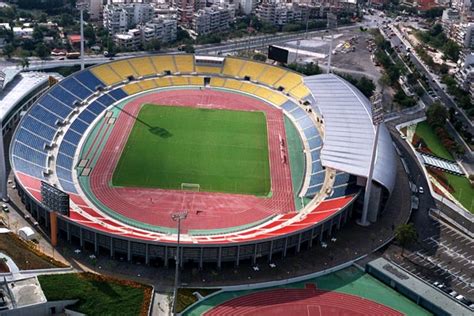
pixel 263 160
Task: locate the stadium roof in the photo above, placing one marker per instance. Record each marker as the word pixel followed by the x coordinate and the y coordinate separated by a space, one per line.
pixel 19 87
pixel 349 132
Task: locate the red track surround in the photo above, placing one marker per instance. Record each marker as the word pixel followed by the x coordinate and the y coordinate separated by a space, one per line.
pixel 206 210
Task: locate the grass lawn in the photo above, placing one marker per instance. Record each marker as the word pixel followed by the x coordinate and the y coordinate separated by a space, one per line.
pixel 25 254
pixel 221 150
pixel 186 297
pixel 97 295
pixel 424 131
pixel 464 192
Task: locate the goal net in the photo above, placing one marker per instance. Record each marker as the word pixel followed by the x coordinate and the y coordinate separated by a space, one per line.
pixel 190 187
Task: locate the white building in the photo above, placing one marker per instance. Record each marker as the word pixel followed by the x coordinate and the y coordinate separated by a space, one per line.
pixel 164 30
pixel 95 9
pixel 120 17
pixel 213 19
pixel 248 6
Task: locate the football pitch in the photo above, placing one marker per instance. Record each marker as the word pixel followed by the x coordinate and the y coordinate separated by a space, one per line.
pixel 220 150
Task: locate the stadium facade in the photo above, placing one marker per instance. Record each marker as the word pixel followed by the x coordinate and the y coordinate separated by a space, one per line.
pixel 332 117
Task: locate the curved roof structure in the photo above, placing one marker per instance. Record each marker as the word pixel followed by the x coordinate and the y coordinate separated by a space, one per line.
pixel 349 133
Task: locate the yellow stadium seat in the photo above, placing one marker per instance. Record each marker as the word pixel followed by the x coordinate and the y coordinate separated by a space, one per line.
pixel 132 88
pixel 179 81
pixel 142 66
pixel 163 63
pixel 271 75
pixel 196 81
pixel 184 63
pixel 163 82
pixel 208 69
pixel 248 87
pixel 277 98
pixel 252 69
pixel 123 68
pixel 289 81
pixel 217 82
pixel 232 66
pixel 147 84
pixel 106 75
pixel 233 84
pixel 263 93
pixel 299 91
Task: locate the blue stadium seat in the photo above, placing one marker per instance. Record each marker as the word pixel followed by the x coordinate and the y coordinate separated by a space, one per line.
pixel 316 166
pixel 313 190
pixel 310 132
pixel 118 94
pixel 67 186
pixel 31 139
pixel 67 149
pixel 344 190
pixel 72 137
pixel 317 178
pixel 40 129
pixel 29 153
pixel 79 127
pixel 289 106
pixel 314 142
pixel 28 168
pixel 64 96
pixel 298 113
pixel 87 116
pixel 343 178
pixel 105 100
pixel 89 80
pixel 64 173
pixel 73 86
pixel 315 155
pixel 305 122
pixel 44 116
pixel 96 107
pixel 55 106
pixel 64 161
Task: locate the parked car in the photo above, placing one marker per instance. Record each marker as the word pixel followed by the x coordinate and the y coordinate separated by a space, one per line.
pixel 421 190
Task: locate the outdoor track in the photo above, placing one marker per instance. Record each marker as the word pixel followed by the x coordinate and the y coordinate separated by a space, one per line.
pixel 304 302
pixel 205 210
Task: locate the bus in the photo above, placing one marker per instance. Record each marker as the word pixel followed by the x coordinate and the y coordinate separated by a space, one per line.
pixel 73 55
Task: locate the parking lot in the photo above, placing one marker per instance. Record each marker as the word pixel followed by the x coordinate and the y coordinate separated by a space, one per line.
pixel 445 260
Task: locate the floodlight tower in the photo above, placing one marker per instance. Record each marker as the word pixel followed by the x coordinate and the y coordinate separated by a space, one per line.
pixel 377 119
pixel 332 23
pixel 177 217
pixel 82 5
pixel 3 169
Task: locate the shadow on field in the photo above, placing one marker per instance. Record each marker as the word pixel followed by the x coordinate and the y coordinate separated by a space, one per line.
pixel 156 130
pixel 160 131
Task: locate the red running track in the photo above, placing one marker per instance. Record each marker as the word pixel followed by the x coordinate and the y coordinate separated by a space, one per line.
pixel 304 302
pixel 206 210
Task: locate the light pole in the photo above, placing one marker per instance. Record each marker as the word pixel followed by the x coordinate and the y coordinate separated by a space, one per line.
pixel 81 5
pixel 177 217
pixel 377 119
pixel 332 23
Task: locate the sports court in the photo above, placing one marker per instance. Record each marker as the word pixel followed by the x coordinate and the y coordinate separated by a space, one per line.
pixel 346 292
pixel 210 150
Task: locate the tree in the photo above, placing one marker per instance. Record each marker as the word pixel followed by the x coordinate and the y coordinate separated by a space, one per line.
pixel 188 48
pixel 25 63
pixel 37 34
pixel 260 57
pixel 8 50
pixel 42 51
pixel 405 234
pixel 153 45
pixel 436 115
pixel 451 50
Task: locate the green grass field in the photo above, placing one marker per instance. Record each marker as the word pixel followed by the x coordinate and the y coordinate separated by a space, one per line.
pixel 221 150
pixel 97 295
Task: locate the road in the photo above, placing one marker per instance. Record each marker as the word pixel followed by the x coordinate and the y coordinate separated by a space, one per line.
pixel 397 40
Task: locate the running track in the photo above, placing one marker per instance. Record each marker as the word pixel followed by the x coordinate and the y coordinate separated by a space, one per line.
pixel 206 210
pixel 304 302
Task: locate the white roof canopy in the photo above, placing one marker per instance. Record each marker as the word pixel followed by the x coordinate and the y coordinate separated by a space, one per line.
pixel 349 133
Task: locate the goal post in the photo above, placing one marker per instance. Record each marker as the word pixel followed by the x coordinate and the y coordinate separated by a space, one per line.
pixel 190 187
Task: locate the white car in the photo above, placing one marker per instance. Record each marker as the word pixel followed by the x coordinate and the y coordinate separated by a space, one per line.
pixel 421 190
